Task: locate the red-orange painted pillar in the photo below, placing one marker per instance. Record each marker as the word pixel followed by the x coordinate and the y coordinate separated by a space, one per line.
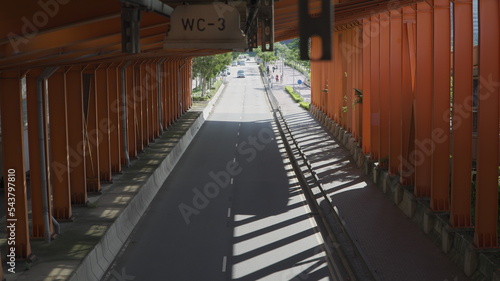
pixel 1 269
pixel 92 136
pixel 115 118
pixel 407 169
pixel 330 108
pixel 189 82
pixel 316 90
pixel 130 105
pixel 146 110
pixel 170 92
pixel 59 147
pixel 374 87
pixel 155 86
pixel 178 89
pixel 395 54
pixel 16 203
pixel 424 147
pixel 163 94
pixel 485 234
pixel 440 180
pixel 102 95
pixel 366 141
pixel 460 213
pixel 123 112
pixel 139 103
pixel 359 83
pixel 385 128
pixel 36 171
pixel 76 138
pixel 338 78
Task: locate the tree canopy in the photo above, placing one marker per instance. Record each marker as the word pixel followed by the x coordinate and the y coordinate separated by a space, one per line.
pixel 208 67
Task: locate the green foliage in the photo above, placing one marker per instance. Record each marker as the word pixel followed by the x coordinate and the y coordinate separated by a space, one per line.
pixel 296 97
pixel 208 67
pixel 266 57
pixel 235 55
pixel 305 105
pixel 197 93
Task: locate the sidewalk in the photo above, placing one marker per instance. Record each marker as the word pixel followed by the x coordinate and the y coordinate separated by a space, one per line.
pixel 393 246
pixel 290 77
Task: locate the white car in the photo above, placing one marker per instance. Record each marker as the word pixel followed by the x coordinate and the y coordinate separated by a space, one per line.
pixel 241 74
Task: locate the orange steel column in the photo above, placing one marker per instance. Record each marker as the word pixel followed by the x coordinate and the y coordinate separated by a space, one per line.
pixel 355 49
pixel 92 134
pixel 101 81
pixel 348 87
pixel 153 88
pixel 113 74
pixel 164 94
pixel 374 85
pixel 59 165
pixel 395 53
pixel 76 139
pixel 440 180
pixel 460 213
pixel 1 269
pixel 485 234
pixel 338 78
pixel 331 81
pixel 385 129
pixel 130 104
pixel 423 101
pixel 189 82
pixel 34 157
pixel 170 93
pixel 316 90
pixel 153 97
pixel 175 88
pixel 145 84
pixel 359 81
pixel 407 168
pixel 122 111
pixel 140 106
pixel 366 130
pixel 16 203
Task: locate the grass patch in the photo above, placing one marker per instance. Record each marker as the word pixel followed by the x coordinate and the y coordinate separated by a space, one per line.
pixel 297 98
pixel 305 105
pixel 196 94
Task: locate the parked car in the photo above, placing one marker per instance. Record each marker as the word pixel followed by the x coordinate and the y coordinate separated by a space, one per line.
pixel 233 63
pixel 241 74
pixel 241 62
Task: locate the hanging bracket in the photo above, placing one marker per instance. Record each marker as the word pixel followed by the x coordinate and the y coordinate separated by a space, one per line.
pixel 320 25
pixel 267 20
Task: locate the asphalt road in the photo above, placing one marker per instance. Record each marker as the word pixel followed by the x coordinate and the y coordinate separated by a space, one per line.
pixel 231 209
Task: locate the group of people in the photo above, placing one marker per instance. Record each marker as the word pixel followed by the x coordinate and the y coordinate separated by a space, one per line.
pixel 277 77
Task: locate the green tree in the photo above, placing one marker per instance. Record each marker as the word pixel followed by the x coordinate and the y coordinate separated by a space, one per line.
pixel 208 67
pixel 266 57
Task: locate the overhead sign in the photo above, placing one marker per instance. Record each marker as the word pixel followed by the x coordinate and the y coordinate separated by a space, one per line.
pixel 205 26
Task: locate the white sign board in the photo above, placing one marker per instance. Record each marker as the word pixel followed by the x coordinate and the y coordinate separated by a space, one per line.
pixel 205 26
